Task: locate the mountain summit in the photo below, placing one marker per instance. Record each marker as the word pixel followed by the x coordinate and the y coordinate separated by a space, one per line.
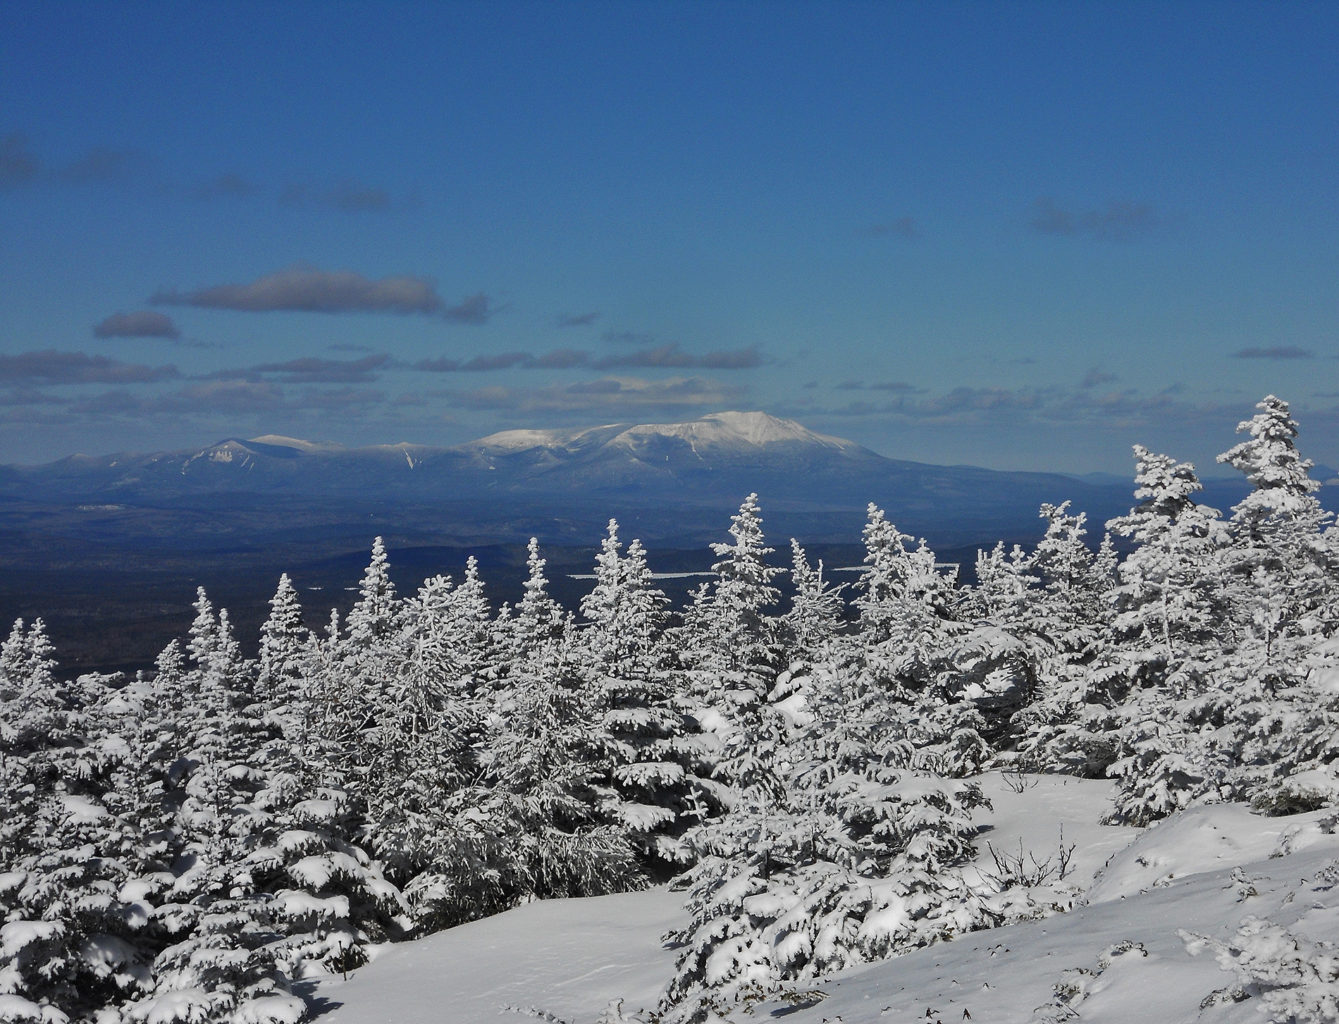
pixel 738 430
pixel 722 434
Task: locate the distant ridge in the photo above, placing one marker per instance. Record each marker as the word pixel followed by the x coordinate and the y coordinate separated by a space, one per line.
pixel 709 462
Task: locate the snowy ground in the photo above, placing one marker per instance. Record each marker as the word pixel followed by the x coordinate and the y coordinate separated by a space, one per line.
pixel 571 958
pixel 568 957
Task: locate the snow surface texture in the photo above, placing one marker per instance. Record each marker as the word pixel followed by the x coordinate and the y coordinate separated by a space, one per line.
pixel 570 958
pixel 1139 949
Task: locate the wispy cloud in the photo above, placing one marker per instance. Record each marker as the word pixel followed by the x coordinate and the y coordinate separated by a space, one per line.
pixel 18 164
pixel 1276 352
pixel 226 186
pixel 671 356
pixel 219 396
pixel 1095 378
pixel 339 399
pixel 143 323
pixel 22 395
pixel 662 357
pixel 307 289
pixel 605 395
pixel 561 359
pixel 577 319
pixel 205 400
pixel 474 309
pixel 346 197
pixel 101 163
pixel 900 386
pixel 477 364
pixel 736 359
pixel 52 367
pixel 898 227
pixel 628 338
pixel 1055 407
pixel 973 399
pixel 498 361
pixel 311 370
pixel 1118 220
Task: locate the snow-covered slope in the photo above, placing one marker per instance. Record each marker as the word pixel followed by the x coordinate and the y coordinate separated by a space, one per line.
pixel 280 441
pixel 1123 958
pixel 735 430
pixel 570 958
pixel 725 431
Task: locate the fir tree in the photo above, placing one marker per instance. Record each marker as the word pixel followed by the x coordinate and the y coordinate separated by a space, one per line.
pixel 543 758
pixel 1169 613
pixel 422 764
pixel 739 629
pixel 283 644
pixel 373 616
pixel 651 763
pixel 808 628
pixel 1169 599
pixel 906 605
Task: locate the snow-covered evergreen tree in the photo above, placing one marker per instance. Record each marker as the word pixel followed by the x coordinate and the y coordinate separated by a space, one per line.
pixel 906 604
pixel 1283 573
pixel 1170 597
pixel 814 617
pixel 420 783
pixel 543 758
pixel 1067 619
pixel 1170 616
pixel 1282 486
pixel 283 646
pixel 809 630
pixel 851 856
pixel 729 648
pixel 653 763
pixel 909 629
pixel 737 632
pixel 373 616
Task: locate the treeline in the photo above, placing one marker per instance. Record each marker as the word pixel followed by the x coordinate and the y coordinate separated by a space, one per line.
pixel 186 845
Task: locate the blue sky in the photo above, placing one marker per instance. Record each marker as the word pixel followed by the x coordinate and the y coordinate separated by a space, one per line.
pixel 1014 235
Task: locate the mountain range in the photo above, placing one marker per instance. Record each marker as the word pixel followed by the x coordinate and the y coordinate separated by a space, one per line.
pixel 708 461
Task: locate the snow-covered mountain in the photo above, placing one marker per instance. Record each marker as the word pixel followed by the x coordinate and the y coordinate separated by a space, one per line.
pixel 714 460
pixel 719 432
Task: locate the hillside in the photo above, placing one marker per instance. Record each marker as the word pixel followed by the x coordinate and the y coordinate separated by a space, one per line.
pixel 200 842
pixel 1204 871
